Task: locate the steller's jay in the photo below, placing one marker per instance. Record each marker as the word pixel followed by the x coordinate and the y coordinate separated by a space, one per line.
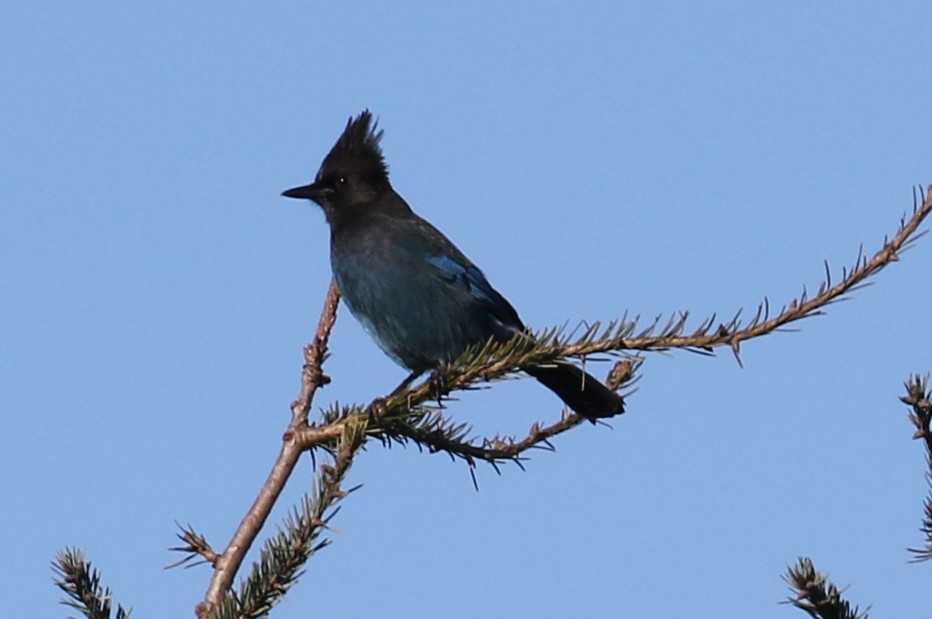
pixel 415 293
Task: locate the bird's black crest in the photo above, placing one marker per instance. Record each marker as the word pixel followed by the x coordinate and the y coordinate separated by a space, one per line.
pixel 358 148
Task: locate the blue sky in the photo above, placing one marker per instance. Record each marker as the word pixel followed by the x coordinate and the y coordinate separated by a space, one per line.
pixel 593 159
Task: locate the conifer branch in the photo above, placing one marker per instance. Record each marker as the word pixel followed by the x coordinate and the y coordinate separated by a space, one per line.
pixel 435 432
pixel 81 583
pixel 620 335
pixel 816 595
pixel 919 398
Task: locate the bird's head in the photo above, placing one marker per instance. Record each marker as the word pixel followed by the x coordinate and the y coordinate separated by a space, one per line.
pixel 353 175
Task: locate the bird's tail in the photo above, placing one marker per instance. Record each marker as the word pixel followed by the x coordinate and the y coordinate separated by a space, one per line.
pixel 582 392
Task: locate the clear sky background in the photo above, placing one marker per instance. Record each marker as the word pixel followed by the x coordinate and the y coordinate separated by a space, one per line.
pixel 593 159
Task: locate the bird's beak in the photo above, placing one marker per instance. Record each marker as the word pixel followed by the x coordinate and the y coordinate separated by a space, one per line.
pixel 308 192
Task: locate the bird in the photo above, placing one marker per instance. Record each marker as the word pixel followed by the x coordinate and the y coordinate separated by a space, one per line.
pixel 415 293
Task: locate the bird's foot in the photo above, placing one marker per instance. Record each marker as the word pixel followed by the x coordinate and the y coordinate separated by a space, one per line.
pixel 377 409
pixel 437 383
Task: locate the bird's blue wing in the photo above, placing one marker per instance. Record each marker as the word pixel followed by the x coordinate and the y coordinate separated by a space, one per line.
pixel 471 279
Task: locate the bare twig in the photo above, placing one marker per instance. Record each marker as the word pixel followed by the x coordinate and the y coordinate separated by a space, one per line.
pixel 312 378
pixel 315 353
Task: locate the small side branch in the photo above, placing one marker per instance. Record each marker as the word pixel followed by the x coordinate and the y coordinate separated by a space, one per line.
pixel 816 594
pixel 195 545
pixel 919 398
pixel 81 583
pixel 435 432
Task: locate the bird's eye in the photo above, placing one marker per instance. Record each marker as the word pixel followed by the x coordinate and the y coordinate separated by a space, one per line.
pixel 342 181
